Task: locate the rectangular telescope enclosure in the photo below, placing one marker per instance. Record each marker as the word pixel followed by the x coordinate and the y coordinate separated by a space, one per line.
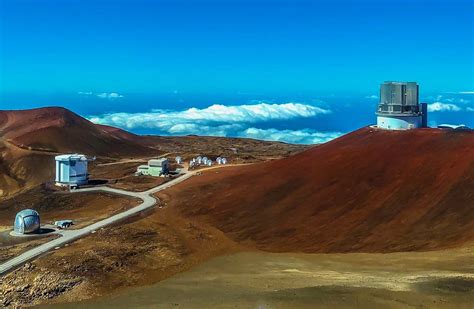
pixel 399 98
pixel 71 169
pixel 399 108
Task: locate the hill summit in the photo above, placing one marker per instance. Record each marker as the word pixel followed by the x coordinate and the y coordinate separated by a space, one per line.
pixel 370 190
pixel 57 129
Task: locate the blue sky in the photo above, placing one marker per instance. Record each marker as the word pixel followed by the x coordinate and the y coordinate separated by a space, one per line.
pixel 144 57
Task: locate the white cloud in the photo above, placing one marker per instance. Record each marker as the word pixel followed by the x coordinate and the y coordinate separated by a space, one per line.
pixel 443 107
pixel 165 120
pixel 305 136
pixel 110 96
pixel 102 95
pixel 470 109
pixel 460 92
pixel 372 97
pixel 221 120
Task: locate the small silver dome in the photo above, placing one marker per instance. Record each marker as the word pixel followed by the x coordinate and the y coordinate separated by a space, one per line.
pixel 27 221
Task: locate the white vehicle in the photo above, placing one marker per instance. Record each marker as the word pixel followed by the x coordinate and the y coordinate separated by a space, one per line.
pixel 64 224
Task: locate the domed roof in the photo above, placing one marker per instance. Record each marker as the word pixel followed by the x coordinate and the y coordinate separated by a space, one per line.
pixel 28 212
pixel 27 221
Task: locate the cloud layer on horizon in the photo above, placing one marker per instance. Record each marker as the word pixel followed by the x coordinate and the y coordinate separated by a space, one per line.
pixel 443 107
pixel 110 96
pixel 221 120
pixel 305 136
pixel 454 102
pixel 101 95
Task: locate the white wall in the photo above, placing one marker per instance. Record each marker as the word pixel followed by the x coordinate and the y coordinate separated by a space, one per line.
pixel 399 123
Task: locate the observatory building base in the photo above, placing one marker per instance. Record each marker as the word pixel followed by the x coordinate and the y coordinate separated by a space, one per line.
pixel 399 123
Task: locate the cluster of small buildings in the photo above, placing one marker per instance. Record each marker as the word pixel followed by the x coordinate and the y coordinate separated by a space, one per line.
pixel 205 161
pixel 221 161
pixel 398 109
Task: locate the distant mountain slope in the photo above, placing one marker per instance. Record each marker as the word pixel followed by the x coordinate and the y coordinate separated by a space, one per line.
pixel 21 168
pixel 29 140
pixel 59 130
pixel 371 190
pixel 119 133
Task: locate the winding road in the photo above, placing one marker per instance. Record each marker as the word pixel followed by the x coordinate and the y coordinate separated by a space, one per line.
pixel 67 236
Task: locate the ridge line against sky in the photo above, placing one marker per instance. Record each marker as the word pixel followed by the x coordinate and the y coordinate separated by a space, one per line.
pixel 145 59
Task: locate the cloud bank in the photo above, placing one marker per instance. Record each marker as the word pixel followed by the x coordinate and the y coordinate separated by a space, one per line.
pixel 305 136
pixel 173 120
pixel 443 107
pixel 221 120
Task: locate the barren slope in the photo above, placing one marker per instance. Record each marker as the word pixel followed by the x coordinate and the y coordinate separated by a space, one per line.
pixel 29 139
pixel 370 190
pixel 57 129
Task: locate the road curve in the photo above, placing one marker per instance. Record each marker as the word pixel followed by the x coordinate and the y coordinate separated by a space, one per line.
pixel 68 236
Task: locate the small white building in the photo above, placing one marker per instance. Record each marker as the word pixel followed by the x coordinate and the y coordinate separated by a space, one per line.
pixel 155 167
pixel 221 160
pixel 71 169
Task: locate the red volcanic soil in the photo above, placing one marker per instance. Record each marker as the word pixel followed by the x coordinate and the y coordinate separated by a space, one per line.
pixel 368 191
pixel 29 140
pixel 119 133
pixel 57 129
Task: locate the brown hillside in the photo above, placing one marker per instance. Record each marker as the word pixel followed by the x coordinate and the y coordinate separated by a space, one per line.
pixel 370 190
pixel 21 168
pixel 119 133
pixel 57 129
pixel 29 140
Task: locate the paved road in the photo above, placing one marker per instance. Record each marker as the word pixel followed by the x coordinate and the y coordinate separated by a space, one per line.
pixel 134 160
pixel 71 235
